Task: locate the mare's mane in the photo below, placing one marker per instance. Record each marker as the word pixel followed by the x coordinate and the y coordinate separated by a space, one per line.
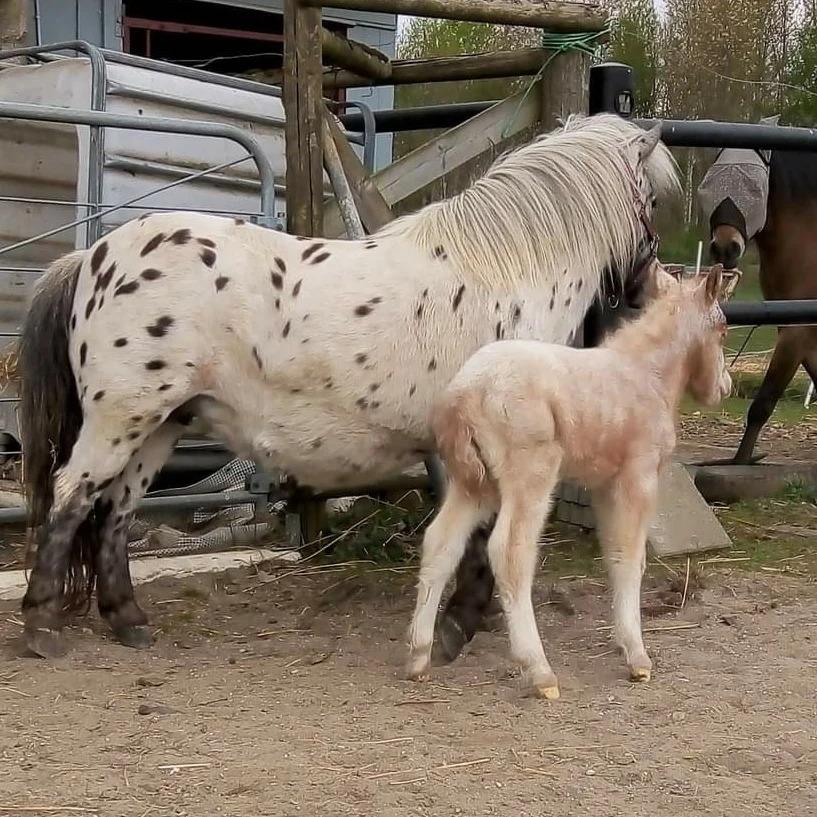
pixel 564 200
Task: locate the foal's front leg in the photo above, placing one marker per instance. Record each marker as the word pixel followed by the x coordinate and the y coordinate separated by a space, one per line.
pixel 623 514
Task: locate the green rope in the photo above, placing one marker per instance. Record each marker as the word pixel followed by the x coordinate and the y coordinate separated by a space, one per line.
pixel 584 42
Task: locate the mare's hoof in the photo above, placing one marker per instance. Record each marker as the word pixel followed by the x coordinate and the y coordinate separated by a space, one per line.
pixel 138 637
pixel 45 642
pixel 451 639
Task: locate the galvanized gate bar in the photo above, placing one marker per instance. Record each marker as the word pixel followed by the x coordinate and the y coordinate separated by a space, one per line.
pixel 69 116
pixel 771 313
pixel 709 134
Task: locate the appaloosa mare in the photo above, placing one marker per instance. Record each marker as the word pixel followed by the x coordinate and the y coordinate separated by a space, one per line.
pixel 771 197
pixel 320 358
pixel 520 415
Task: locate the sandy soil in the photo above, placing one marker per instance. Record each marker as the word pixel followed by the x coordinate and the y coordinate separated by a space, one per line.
pixel 273 694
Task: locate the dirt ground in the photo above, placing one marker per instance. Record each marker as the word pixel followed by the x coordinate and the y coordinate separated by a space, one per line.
pixel 280 694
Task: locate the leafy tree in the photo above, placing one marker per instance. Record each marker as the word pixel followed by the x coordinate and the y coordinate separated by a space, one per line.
pixel 800 106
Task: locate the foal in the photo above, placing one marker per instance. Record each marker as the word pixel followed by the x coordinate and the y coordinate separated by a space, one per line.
pixel 520 415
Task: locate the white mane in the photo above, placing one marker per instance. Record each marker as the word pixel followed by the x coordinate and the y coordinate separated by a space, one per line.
pixel 564 199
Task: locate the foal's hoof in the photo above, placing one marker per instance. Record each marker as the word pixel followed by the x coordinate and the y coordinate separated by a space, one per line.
pixel 640 674
pixel 641 669
pixel 45 642
pixel 138 637
pixel 547 692
pixel 451 639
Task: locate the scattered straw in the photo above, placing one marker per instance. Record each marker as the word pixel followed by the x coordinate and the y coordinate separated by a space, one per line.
pixel 424 701
pixel 686 586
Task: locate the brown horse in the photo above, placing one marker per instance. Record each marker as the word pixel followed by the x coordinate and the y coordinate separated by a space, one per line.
pixel 787 244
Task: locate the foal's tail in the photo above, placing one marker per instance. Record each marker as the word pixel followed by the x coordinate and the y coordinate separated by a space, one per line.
pixel 50 409
pixel 455 433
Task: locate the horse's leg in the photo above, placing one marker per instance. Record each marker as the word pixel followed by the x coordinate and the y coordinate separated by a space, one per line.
pixel 115 597
pixel 471 599
pixel 63 558
pixel 513 551
pixel 788 353
pixel 623 514
pixel 443 544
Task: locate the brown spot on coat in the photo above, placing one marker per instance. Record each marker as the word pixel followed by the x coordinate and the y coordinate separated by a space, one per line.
pixel 439 252
pixel 105 279
pixel 311 250
pixel 99 395
pixel 98 257
pixel 152 244
pixel 412 390
pixel 363 309
pixel 277 280
pixel 89 308
pixel 455 304
pixel 155 365
pixel 361 358
pixel 126 289
pixel 319 259
pixel 120 342
pixel 182 236
pixel 279 262
pixel 208 257
pixel 83 353
pixel 432 364
pixel 287 327
pixel 165 387
pixel 296 289
pixel 151 274
pixel 206 242
pixel 257 358
pixel 221 282
pixel 160 327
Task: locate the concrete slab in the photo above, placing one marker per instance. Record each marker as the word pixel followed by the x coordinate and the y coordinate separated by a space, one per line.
pixel 684 522
pixel 13 582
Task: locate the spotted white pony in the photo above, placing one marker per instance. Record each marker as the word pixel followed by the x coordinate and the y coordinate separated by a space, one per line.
pixel 319 358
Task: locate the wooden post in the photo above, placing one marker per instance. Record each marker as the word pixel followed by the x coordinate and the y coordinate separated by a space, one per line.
pixel 359 58
pixel 303 104
pixel 563 88
pixel 563 16
pixel 343 191
pixel 372 207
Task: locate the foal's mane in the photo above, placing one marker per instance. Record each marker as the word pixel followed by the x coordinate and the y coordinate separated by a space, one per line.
pixel 565 199
pixel 657 326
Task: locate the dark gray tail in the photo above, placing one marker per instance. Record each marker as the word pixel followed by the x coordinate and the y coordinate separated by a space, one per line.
pixel 51 412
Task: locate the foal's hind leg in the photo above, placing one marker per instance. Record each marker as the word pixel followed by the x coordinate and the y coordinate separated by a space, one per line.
pixel 513 550
pixel 115 597
pixel 623 514
pixel 443 544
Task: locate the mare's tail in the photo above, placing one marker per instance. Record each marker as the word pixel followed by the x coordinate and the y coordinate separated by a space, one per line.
pixel 51 412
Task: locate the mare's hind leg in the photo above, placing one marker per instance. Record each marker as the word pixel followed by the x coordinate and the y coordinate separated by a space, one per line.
pixel 115 597
pixel 623 513
pixel 469 603
pixel 443 544
pixel 788 353
pixel 60 559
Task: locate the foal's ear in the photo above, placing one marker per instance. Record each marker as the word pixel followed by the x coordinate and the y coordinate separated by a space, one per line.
pixel 714 283
pixel 646 141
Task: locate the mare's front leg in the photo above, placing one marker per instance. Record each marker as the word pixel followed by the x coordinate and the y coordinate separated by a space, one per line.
pixel 623 513
pixel 468 605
